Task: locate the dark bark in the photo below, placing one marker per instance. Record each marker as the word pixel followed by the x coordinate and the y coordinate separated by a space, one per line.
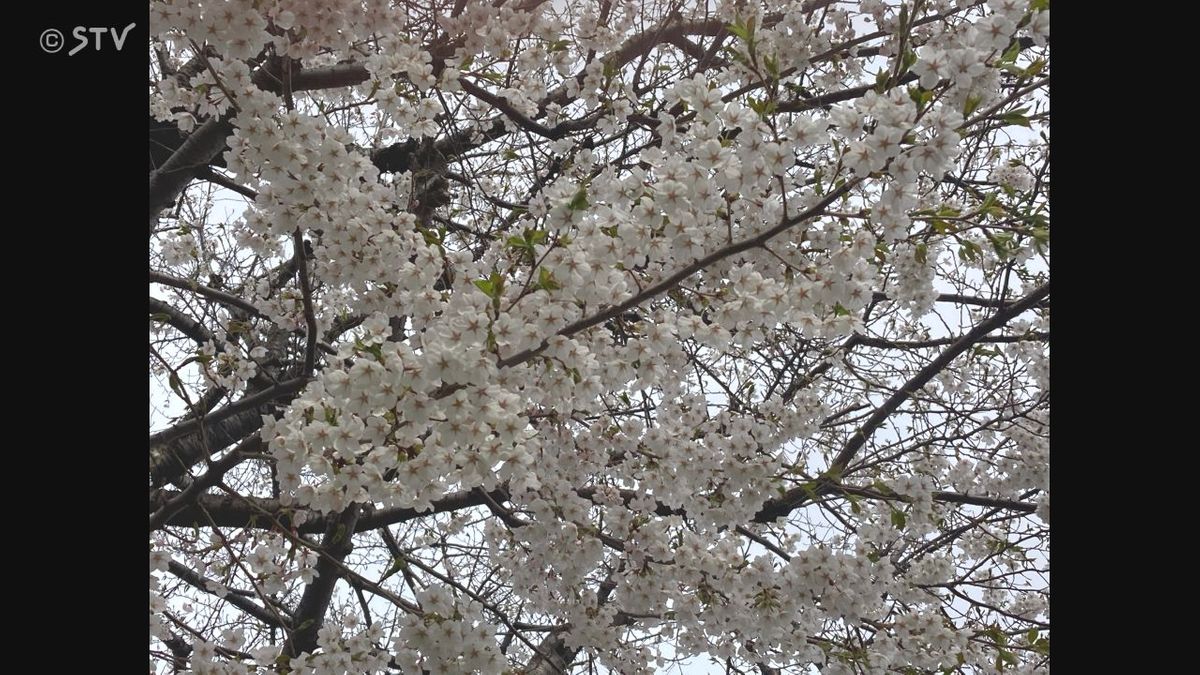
pixel 267 616
pixel 310 615
pixel 226 511
pixel 170 178
pixel 171 460
pixel 174 451
pixel 180 321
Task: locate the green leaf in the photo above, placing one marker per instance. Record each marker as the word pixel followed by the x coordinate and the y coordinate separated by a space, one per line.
pixel 558 46
pixel 1010 54
pixel 546 280
pixel 1039 5
pixel 1015 118
pixel 176 384
pixel 772 66
pixel 432 237
pixel 969 250
pixel 1003 243
pixel 580 201
pixel 971 105
pixel 922 253
pixel 1041 237
pixel 881 80
pixel 763 107
pixel 160 317
pixel 486 286
pixel 898 519
pixel 991 206
pixel 741 31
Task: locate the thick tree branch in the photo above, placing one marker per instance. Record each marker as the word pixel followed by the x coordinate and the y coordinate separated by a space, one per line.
pixel 200 289
pixel 182 322
pixel 227 511
pixel 310 614
pixel 310 317
pixel 175 450
pixel 165 506
pixel 170 179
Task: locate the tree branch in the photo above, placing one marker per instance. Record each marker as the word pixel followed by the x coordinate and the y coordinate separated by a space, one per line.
pixel 167 506
pixel 672 280
pixel 182 322
pixel 200 289
pixel 797 496
pixel 245 604
pixel 175 450
pixel 310 614
pixel 249 512
pixel 169 180
pixel 927 373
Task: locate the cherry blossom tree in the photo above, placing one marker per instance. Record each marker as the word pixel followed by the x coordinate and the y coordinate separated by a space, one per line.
pixel 578 336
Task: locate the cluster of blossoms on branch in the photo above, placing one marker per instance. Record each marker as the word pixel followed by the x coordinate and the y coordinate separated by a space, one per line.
pixel 572 336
